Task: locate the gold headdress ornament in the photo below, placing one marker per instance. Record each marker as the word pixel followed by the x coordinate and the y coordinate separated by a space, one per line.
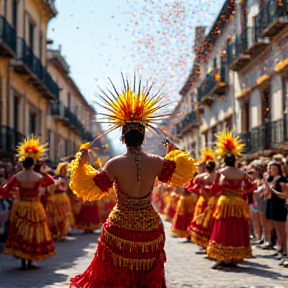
pixel 227 143
pixel 133 105
pixel 207 154
pixel 31 147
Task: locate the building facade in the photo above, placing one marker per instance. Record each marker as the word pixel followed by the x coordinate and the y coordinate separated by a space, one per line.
pixel 242 82
pixel 37 95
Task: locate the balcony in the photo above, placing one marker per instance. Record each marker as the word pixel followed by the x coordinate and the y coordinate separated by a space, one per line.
pixel 187 123
pixel 216 83
pixel 74 122
pixel 271 135
pixel 273 17
pixel 9 139
pixel 255 44
pixel 60 112
pixel 237 58
pixel 27 63
pixel 7 39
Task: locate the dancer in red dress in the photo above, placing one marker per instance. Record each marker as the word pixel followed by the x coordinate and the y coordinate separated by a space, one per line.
pixel 29 236
pixel 201 225
pixel 230 237
pixel 130 251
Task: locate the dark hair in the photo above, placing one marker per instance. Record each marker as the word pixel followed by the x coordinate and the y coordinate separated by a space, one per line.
pixel 273 163
pixel 133 138
pixel 210 165
pixel 28 162
pixel 230 160
pixel 37 166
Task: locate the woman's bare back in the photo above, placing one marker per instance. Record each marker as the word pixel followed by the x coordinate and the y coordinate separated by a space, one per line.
pixel 232 173
pixel 28 178
pixel 123 170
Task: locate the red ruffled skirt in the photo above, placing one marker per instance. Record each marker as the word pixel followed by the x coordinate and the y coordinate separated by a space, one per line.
pixel 201 226
pixel 230 237
pixel 130 252
pixel 184 214
pixel 59 214
pixel 88 219
pixel 29 236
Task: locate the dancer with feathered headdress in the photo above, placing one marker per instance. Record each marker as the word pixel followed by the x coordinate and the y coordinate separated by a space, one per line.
pixel 29 236
pixel 230 237
pixel 130 252
pixel 200 226
pixel 58 207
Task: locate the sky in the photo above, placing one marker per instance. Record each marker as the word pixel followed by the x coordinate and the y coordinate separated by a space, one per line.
pixel 154 39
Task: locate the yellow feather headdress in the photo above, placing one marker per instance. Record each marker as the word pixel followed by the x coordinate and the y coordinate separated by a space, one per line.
pixel 31 147
pixel 207 154
pixel 135 104
pixel 227 143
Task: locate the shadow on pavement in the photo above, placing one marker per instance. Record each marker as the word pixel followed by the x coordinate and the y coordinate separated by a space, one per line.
pixel 50 270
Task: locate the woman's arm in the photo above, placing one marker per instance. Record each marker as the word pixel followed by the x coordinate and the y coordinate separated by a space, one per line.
pixel 279 194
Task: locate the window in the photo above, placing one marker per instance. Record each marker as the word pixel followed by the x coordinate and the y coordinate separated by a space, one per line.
pixel 16 114
pixel 31 35
pixel 14 14
pixel 285 95
pixel 69 100
pixel 40 46
pixel 66 147
pixel 32 122
pixel 213 134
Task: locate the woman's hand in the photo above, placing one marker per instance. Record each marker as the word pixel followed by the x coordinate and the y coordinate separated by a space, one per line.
pixel 84 156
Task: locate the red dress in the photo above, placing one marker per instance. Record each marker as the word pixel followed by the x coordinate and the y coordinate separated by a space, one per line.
pixel 230 237
pixel 88 219
pixel 201 224
pixel 130 251
pixel 184 213
pixel 29 236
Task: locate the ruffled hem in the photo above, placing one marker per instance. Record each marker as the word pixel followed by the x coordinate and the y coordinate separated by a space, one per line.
pixel 200 240
pixel 27 256
pixel 180 233
pixel 220 252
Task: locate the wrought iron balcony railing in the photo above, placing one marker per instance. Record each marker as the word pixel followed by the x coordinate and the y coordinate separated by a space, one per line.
pixel 9 139
pixel 26 56
pixel 8 37
pixel 273 17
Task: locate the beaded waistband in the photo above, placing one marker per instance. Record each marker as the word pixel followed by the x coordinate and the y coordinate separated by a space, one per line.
pixel 228 192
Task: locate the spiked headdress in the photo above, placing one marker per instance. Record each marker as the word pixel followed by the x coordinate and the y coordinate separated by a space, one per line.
pixel 207 154
pixel 134 105
pixel 31 147
pixel 228 143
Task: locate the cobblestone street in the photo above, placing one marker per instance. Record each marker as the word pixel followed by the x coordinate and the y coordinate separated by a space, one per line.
pixel 184 269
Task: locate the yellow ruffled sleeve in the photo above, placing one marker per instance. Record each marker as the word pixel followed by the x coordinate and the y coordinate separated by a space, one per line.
pixel 178 169
pixel 86 182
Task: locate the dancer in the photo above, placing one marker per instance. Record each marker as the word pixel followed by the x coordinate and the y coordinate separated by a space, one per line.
pixel 130 251
pixel 184 213
pixel 201 225
pixel 58 206
pixel 230 237
pixel 29 236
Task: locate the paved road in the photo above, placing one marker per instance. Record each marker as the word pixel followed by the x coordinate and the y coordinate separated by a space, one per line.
pixel 184 269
